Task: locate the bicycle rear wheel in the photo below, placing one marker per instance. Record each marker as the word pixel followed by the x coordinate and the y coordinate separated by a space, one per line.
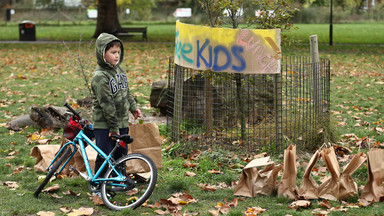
pixel 52 171
pixel 141 175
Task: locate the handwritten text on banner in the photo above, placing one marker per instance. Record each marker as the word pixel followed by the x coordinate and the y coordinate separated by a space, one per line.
pixel 251 51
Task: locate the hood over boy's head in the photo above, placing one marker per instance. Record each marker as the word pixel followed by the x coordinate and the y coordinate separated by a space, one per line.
pixel 101 46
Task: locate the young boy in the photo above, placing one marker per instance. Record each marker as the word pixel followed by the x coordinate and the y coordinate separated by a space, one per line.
pixel 111 99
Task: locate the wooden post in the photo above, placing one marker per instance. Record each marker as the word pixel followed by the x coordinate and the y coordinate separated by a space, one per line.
pixel 278 99
pixel 315 65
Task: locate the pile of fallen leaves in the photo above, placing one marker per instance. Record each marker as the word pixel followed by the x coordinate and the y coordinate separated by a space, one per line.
pixel 174 204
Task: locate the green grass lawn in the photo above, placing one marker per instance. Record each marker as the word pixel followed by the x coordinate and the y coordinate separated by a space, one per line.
pixel 367 33
pixel 43 74
pixel 159 33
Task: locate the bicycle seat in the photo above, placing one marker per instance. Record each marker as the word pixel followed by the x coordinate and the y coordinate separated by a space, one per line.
pixel 125 138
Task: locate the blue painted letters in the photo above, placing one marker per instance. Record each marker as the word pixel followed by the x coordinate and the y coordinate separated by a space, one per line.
pixel 214 57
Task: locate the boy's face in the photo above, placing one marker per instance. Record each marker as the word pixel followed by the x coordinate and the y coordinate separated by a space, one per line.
pixel 112 55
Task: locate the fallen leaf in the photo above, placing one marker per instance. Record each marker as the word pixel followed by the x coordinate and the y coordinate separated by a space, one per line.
pixel 300 204
pixel 339 208
pixel 214 212
pixel 320 212
pixel 208 187
pixel 224 209
pixel 349 136
pixel 341 150
pixel 365 203
pixel 82 211
pixel 223 185
pixel 357 124
pixel 65 209
pixel 254 211
pixel 70 192
pixel 356 117
pixel 13 153
pixel 190 174
pixel 160 212
pixel 378 130
pixel 187 198
pixel 11 184
pixel 54 195
pixel 189 164
pixel 195 155
pixel 97 200
pixel 132 192
pixel 156 205
pixel 214 171
pixel 52 188
pixel 45 213
pixel 325 204
pixel 175 202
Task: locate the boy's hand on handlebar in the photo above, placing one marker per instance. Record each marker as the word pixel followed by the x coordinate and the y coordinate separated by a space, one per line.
pixel 136 114
pixel 113 133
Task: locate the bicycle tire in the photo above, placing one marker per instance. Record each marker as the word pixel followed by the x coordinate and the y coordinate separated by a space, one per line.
pixel 141 187
pixel 63 157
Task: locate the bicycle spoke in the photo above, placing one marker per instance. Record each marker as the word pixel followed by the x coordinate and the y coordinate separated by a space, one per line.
pixel 141 179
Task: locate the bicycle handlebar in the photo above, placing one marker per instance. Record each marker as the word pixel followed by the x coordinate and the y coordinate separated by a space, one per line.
pixel 126 138
pixel 72 110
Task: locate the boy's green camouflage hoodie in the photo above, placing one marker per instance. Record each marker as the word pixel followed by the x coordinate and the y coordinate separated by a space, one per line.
pixel 112 100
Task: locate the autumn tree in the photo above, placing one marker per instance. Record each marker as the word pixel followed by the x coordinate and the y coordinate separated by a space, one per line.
pixel 107 19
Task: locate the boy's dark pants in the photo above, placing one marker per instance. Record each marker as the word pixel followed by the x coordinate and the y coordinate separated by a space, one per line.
pixel 106 144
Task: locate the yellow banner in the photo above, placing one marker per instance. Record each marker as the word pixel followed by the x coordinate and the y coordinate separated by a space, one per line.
pixel 249 51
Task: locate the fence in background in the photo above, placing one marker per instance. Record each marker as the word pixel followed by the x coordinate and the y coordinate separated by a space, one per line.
pixel 250 112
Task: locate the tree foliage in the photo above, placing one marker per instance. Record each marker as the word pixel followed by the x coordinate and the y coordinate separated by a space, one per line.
pixel 262 14
pixel 141 7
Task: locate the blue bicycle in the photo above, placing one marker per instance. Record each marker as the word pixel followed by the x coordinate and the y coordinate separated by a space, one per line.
pixel 129 180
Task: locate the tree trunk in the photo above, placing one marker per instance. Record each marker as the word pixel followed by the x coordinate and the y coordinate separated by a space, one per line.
pixel 107 18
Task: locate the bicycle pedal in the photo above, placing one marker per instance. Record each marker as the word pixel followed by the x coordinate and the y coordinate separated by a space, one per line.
pixel 73 169
pixel 77 172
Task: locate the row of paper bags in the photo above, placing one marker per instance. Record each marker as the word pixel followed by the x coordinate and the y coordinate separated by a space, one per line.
pixel 147 140
pixel 339 186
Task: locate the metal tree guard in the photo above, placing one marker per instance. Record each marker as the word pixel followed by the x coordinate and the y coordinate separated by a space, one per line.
pixel 203 107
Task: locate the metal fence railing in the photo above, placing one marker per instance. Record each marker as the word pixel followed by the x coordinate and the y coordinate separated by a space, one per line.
pixel 250 111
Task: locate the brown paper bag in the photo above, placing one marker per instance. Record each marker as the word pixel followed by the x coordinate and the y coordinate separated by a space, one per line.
pixel 254 181
pixel 249 175
pixel 330 188
pixel 266 180
pixel 348 187
pixel 44 154
pixel 309 187
pixel 146 140
pixel 246 182
pixel 288 187
pixel 373 189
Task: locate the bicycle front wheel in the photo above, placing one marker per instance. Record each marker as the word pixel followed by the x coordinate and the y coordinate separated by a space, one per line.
pixel 141 173
pixel 52 171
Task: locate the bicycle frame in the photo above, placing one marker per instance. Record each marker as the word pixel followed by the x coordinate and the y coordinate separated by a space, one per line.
pixel 81 138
